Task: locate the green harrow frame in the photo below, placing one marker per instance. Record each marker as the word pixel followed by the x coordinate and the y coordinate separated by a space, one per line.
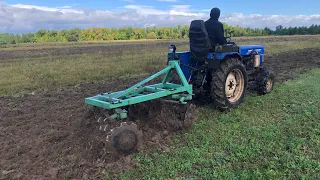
pixel 142 93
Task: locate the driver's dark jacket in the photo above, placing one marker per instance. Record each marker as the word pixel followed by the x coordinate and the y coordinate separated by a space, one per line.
pixel 215 31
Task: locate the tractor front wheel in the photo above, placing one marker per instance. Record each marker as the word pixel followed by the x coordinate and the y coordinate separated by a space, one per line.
pixel 265 81
pixel 229 84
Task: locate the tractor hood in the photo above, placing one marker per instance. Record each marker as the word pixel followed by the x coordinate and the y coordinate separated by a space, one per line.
pixel 246 49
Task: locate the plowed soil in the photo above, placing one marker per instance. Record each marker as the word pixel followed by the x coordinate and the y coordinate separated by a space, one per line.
pixel 111 49
pixel 47 136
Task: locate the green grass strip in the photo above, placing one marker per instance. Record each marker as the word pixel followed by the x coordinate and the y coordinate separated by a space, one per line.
pixel 276 136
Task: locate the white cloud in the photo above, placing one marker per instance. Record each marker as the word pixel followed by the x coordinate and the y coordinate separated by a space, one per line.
pixel 181 7
pixel 63 9
pixel 185 10
pixel 26 18
pixel 260 21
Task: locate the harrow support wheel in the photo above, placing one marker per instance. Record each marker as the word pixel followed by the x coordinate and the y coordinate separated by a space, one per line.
pixel 229 84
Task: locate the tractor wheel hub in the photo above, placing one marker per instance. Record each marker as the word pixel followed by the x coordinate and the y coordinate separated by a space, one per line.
pixel 234 85
pixel 230 85
pixel 269 84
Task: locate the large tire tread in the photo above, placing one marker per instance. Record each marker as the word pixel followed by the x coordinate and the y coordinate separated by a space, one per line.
pixel 218 83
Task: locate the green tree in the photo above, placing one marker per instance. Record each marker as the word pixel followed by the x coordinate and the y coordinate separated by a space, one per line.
pixel 4 38
pixel 128 33
pixel 151 35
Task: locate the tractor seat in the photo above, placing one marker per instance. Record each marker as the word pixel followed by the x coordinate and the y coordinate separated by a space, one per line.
pixel 200 45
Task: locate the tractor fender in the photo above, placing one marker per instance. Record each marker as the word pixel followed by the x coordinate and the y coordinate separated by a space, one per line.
pixel 223 56
pixel 218 58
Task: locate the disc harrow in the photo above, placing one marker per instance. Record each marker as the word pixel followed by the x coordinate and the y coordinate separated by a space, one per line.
pixel 123 137
pixel 122 115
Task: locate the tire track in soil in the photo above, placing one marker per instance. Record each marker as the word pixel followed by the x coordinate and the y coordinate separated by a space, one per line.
pixel 47 136
pixel 289 65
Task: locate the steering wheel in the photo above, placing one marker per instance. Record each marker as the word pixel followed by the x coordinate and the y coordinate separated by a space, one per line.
pixel 228 39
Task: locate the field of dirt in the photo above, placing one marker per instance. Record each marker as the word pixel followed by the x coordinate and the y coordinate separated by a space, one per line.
pixel 278 38
pixel 48 135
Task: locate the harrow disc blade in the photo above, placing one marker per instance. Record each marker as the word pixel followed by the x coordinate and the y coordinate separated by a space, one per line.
pixel 165 115
pixel 190 116
pixel 120 137
pixel 124 139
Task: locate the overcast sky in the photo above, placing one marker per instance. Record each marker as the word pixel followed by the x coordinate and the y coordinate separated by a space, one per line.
pixel 20 16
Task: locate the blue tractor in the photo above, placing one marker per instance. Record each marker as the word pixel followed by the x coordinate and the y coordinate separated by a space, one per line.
pixel 220 75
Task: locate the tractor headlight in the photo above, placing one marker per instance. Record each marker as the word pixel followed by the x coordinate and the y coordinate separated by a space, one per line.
pixel 172 48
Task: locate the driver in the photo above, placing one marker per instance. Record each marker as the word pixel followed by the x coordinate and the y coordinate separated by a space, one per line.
pixel 215 28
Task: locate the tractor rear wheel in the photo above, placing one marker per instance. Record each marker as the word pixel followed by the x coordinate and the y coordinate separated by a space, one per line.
pixel 229 84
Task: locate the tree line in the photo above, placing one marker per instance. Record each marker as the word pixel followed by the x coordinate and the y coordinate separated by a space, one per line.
pixel 129 33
